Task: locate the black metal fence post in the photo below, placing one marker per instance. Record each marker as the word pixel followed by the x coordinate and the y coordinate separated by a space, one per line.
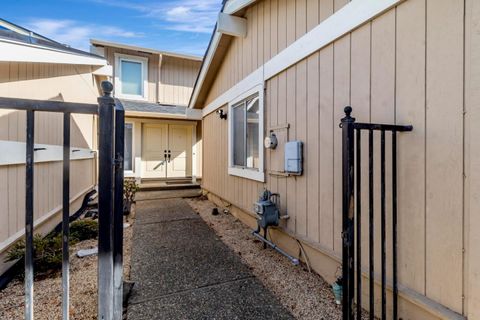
pixel 105 203
pixel 66 218
pixel 29 223
pixel 118 211
pixel 349 127
pixel 348 249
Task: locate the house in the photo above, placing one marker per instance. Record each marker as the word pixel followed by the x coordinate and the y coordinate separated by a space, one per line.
pixel 162 135
pixel 35 67
pixel 289 68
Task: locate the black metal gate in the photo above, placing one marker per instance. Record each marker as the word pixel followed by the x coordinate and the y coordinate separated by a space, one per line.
pixel 110 197
pixel 351 229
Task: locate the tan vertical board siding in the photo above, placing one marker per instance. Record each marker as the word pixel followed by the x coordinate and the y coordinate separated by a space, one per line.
pixel 400 68
pixel 472 199
pixel 43 82
pixel 301 120
pixel 341 99
pixel 282 136
pixel 327 127
pixel 360 100
pixel 312 146
pixel 291 195
pixel 444 160
pixel 383 111
pixel 177 77
pixel 410 109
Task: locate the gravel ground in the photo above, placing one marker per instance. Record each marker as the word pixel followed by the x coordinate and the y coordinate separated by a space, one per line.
pixel 306 295
pixel 47 292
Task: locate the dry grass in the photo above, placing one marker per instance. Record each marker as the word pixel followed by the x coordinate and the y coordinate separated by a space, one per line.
pixel 306 295
pixel 48 291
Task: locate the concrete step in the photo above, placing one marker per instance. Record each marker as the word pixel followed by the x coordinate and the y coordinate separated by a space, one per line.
pixel 167 185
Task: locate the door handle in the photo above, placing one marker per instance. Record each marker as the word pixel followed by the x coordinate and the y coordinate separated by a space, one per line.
pixel 169 157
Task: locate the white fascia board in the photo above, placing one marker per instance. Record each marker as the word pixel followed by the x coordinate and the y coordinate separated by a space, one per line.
pixel 194 114
pixel 19 52
pixel 15 153
pixel 233 6
pixel 231 25
pixel 206 65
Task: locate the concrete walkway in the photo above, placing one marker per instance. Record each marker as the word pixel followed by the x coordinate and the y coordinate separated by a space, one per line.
pixel 182 270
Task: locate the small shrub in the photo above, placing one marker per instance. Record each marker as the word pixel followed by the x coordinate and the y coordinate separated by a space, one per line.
pixel 47 254
pixel 81 230
pixel 130 188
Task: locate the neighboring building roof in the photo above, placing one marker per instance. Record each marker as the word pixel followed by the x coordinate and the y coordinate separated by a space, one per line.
pixel 102 43
pixel 216 50
pixel 23 45
pixel 140 108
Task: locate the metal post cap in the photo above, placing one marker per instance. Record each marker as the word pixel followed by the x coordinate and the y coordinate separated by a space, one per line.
pixel 107 88
pixel 348 110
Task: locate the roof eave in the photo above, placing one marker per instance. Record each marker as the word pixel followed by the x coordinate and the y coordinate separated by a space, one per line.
pixel 13 51
pixel 96 42
pixel 230 7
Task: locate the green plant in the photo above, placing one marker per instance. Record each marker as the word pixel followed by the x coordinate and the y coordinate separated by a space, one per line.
pixel 130 188
pixel 84 229
pixel 47 251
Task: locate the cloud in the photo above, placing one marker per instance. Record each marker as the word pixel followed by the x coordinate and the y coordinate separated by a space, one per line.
pixel 197 16
pixel 75 33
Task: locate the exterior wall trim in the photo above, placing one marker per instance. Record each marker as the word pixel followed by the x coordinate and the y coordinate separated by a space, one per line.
pixel 15 153
pixel 345 20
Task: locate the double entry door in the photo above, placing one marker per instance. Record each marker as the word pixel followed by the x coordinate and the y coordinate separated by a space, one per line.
pixel 167 151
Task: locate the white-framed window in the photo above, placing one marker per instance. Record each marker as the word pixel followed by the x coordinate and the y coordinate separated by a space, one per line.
pixel 131 77
pixel 128 152
pixel 245 131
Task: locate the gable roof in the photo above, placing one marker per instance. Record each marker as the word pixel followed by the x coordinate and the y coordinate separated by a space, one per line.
pixel 216 50
pixel 20 44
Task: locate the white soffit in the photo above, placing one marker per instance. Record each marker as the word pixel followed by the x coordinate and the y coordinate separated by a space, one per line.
pixel 19 52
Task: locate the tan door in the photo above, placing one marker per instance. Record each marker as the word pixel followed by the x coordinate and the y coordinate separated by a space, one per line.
pixel 155 146
pixel 180 151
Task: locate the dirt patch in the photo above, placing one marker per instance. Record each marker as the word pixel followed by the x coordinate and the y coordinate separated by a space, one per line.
pixel 306 295
pixel 48 291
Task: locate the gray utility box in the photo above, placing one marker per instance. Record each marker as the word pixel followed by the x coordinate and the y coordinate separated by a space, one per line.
pixel 294 157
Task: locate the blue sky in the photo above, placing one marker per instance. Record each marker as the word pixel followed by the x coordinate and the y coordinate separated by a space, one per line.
pixel 181 26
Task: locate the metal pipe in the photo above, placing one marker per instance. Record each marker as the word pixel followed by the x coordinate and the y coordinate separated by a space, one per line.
pixel 275 247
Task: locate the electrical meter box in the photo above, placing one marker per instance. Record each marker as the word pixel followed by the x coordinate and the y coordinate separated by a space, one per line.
pixel 294 157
